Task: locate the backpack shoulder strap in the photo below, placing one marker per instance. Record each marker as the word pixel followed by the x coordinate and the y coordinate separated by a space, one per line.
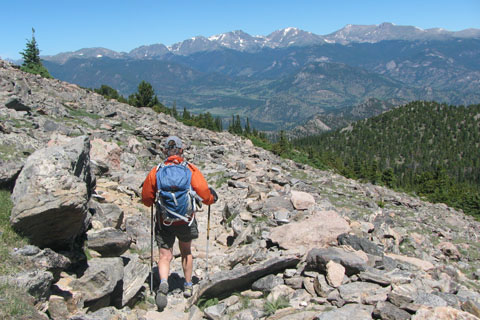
pixel 160 165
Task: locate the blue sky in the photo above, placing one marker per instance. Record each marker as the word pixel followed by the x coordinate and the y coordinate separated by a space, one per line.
pixel 123 25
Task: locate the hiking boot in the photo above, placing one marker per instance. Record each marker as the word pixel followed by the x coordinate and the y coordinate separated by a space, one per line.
pixel 163 288
pixel 187 290
pixel 161 298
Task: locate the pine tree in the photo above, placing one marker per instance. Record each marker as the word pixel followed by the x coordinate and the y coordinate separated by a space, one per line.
pixel 31 58
pixel 247 128
pixel 174 109
pixel 185 114
pixel 145 97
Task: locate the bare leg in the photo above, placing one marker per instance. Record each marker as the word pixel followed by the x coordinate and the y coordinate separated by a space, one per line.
pixel 187 259
pixel 165 257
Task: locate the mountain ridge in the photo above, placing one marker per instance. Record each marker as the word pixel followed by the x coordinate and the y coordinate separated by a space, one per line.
pixel 290 36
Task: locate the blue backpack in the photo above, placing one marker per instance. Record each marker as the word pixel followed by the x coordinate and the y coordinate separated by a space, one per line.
pixel 175 196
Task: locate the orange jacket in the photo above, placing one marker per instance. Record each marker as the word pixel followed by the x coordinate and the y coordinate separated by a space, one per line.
pixel 199 184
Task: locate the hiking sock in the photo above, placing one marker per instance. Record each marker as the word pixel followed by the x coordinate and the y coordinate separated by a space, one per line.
pixel 187 289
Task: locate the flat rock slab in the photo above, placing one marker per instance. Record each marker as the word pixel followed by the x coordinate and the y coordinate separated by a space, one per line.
pixel 242 277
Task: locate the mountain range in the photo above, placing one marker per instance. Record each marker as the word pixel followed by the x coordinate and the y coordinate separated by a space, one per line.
pixel 286 78
pixel 288 37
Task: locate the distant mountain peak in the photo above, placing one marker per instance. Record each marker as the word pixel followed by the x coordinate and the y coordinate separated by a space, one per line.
pixel 287 37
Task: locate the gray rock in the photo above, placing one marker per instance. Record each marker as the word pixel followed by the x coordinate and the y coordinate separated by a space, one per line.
pixel 386 310
pixel 317 259
pixel 278 202
pixel 36 283
pixel 46 260
pixel 28 250
pixel 248 314
pixel 359 292
pixel 294 282
pixel 402 295
pixel 237 184
pixel 9 171
pixel 321 287
pixel 255 206
pixel 51 194
pixel 109 214
pixel 215 312
pixel 348 312
pixel 135 274
pixel 17 105
pixel 375 276
pixel 429 300
pixel 109 242
pixel 138 229
pixel 100 278
pixel 242 277
pixel 267 283
pixel 451 299
pixel 281 216
pixel 358 243
pixel 241 255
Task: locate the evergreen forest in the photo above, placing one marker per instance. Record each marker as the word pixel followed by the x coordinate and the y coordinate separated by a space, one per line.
pixel 427 148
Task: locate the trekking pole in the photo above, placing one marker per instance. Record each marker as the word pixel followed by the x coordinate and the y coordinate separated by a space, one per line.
pixel 208 237
pixel 151 250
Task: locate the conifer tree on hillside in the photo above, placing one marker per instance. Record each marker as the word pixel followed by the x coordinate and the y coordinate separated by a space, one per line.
pixel 31 58
pixel 144 97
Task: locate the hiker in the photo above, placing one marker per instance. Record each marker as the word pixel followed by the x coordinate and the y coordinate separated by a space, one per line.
pixel 158 188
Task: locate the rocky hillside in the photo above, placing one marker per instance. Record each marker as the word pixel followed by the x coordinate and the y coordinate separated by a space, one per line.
pixel 286 241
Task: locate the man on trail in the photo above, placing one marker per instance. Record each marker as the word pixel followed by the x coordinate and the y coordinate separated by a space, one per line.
pixel 163 186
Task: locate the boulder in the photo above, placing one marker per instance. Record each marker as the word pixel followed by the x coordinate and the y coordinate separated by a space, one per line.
pixel 37 283
pixel 109 242
pixel 100 278
pixel 47 259
pixel 318 230
pixel 51 194
pixel 135 274
pixel 241 277
pixel 317 259
pixel 302 200
pixel 359 243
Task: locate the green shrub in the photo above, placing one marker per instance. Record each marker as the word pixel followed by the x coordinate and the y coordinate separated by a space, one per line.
pixel 15 303
pixel 204 303
pixel 270 307
pixel 9 239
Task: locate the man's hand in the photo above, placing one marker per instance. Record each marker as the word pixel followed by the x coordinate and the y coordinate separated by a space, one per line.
pixel 214 194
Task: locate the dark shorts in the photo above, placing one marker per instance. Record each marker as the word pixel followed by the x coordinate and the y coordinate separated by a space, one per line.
pixel 165 235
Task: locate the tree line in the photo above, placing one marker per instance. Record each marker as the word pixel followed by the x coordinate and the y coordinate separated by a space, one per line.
pixel 146 97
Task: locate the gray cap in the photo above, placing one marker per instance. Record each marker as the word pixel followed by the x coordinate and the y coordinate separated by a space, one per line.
pixel 173 141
